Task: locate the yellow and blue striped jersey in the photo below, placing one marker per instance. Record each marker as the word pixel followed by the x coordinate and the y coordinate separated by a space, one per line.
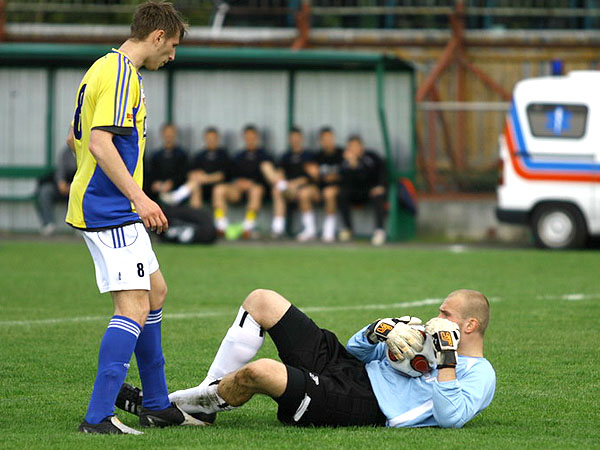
pixel 110 97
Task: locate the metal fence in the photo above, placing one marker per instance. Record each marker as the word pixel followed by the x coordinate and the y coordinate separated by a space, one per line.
pixel 373 14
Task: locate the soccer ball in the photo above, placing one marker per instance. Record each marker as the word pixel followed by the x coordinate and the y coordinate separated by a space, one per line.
pixel 423 361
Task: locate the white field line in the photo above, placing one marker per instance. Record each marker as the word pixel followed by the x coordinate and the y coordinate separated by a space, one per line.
pixel 205 314
pixel 307 309
pixel 569 297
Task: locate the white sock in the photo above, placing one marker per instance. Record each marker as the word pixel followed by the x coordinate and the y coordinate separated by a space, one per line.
pixel 181 193
pixel 248 224
pixel 308 222
pixel 278 224
pixel 242 342
pixel 222 223
pixel 329 226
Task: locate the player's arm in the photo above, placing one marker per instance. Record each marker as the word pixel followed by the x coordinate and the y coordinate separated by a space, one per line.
pixel 456 402
pixel 361 348
pixel 71 139
pixel 270 172
pixel 107 156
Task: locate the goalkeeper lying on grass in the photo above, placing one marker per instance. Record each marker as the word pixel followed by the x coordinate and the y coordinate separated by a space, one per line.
pixel 394 372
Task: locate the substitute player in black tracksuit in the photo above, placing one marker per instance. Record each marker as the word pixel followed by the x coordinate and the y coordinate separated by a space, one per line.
pixel 252 169
pixel 299 174
pixel 208 168
pixel 329 159
pixel 167 166
pixel 362 179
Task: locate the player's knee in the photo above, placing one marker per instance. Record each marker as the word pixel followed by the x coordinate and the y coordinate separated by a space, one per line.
pixel 258 300
pixel 253 374
pixel 304 195
pixel 219 191
pixel 330 193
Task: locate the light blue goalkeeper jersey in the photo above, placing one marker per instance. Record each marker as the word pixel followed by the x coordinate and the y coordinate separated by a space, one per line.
pixel 424 401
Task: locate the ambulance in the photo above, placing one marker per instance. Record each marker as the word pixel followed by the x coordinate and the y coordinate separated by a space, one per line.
pixel 550 159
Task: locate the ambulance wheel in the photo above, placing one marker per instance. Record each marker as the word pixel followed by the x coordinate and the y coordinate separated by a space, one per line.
pixel 558 226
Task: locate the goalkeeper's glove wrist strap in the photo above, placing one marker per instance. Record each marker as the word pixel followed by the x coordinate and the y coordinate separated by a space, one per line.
pixel 449 359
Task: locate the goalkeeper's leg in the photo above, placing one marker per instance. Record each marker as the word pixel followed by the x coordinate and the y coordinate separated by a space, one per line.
pixel 260 311
pixel 264 376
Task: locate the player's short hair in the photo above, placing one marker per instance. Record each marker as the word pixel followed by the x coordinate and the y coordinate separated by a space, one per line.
pixel 167 125
pixel 157 15
pixel 476 305
pixel 325 129
pixel 295 129
pixel 250 127
pixel 211 130
pixel 355 138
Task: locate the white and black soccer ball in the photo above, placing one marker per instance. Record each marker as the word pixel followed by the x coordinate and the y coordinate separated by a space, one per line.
pixel 423 362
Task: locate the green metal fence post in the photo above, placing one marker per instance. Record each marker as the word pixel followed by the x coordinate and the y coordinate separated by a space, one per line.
pixel 50 118
pixel 291 100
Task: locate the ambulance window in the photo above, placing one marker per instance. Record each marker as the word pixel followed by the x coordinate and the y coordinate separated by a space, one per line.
pixel 557 120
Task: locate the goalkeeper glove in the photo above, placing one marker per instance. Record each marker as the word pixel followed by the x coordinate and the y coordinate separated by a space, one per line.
pixel 445 335
pixel 401 339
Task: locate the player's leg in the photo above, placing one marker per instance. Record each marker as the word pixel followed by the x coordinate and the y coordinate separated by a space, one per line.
pixel 196 196
pixel 45 197
pixel 149 352
pixel 115 253
pixel 260 310
pixel 264 376
pixel 344 203
pixel 157 409
pixel 279 210
pixel 330 194
pixel 223 193
pixel 116 349
pixel 176 196
pixel 307 195
pixel 255 197
pixel 377 195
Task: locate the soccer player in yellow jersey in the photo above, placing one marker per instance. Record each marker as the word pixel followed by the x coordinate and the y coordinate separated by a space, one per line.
pixel 107 204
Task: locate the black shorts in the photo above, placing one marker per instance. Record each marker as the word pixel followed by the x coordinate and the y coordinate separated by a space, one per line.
pixel 355 196
pixel 327 386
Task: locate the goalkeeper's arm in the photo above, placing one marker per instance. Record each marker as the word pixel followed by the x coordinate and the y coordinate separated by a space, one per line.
pixel 363 350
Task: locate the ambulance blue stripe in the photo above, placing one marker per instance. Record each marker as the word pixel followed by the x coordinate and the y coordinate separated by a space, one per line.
pixel 116 92
pixel 536 165
pixel 126 97
pixel 118 123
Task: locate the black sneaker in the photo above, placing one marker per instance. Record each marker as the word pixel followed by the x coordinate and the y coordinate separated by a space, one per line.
pixel 130 400
pixel 110 425
pixel 168 417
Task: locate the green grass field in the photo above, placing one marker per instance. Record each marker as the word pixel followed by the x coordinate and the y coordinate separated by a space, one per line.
pixel 543 338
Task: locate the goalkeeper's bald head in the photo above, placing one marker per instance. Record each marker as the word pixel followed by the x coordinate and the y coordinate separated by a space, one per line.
pixel 473 304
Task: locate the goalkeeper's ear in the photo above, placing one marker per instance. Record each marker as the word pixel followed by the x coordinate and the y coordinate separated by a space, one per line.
pixel 471 326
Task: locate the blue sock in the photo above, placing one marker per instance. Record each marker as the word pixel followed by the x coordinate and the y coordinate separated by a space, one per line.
pixel 113 361
pixel 151 363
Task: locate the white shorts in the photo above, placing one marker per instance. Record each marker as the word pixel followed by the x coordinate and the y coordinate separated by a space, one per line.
pixel 123 257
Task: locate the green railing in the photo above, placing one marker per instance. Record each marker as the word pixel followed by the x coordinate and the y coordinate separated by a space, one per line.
pixel 53 56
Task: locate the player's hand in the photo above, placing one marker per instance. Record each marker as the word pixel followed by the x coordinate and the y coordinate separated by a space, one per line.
pixel 404 340
pixel 151 214
pixel 379 330
pixel 445 335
